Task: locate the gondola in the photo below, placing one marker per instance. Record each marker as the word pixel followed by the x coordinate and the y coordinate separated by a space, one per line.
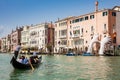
pixel 70 54
pixel 87 54
pixel 18 65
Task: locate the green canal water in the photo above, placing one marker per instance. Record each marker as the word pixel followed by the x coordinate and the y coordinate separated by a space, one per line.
pixel 61 67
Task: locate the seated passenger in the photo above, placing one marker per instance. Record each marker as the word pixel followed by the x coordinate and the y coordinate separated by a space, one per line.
pixel 25 61
pixel 23 57
pixel 19 59
pixel 34 53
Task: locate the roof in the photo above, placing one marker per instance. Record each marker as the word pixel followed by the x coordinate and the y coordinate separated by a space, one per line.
pixel 74 17
pixel 65 19
pixel 115 7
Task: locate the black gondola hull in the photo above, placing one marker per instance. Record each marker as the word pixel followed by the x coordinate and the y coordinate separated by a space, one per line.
pixel 18 65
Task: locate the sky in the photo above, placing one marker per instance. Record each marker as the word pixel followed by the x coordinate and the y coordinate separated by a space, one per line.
pixel 15 13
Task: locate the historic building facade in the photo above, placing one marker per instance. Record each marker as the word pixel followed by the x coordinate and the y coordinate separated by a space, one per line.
pixel 71 32
pixel 15 37
pixel 77 31
pixel 117 27
pixel 37 36
pixel 25 37
pixel 6 44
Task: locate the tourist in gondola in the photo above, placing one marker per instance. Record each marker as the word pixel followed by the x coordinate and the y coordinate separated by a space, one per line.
pixel 19 59
pixel 25 61
pixel 34 57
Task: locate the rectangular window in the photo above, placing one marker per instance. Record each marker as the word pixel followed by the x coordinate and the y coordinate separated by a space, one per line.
pixel 77 42
pixel 64 42
pixel 104 26
pixel 55 25
pixel 59 32
pixel 81 32
pixel 92 29
pixel 81 19
pixel 73 21
pixel 86 18
pixel 76 20
pixel 63 24
pixel 42 41
pixel 59 24
pixel 91 16
pixel 63 32
pixel 76 32
pixel 104 13
pixel 33 42
pixel 113 13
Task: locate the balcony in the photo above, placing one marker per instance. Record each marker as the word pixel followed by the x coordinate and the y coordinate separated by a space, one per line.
pixel 63 36
pixel 62 46
pixel 76 35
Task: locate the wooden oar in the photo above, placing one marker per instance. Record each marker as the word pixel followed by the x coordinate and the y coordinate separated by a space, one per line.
pixel 30 63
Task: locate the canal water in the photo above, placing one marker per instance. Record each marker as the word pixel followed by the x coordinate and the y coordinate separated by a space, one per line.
pixel 61 67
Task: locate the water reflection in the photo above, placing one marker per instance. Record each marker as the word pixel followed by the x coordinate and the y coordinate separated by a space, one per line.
pixel 14 75
pixel 95 68
pixel 20 74
pixel 102 68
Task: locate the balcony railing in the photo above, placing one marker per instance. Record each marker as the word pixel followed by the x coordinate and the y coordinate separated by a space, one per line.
pixel 76 35
pixel 62 46
pixel 63 36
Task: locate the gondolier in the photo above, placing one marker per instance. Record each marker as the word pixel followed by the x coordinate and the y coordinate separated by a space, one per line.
pixel 17 49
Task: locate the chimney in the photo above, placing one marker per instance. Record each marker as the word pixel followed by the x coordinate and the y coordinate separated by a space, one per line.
pixel 96 6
